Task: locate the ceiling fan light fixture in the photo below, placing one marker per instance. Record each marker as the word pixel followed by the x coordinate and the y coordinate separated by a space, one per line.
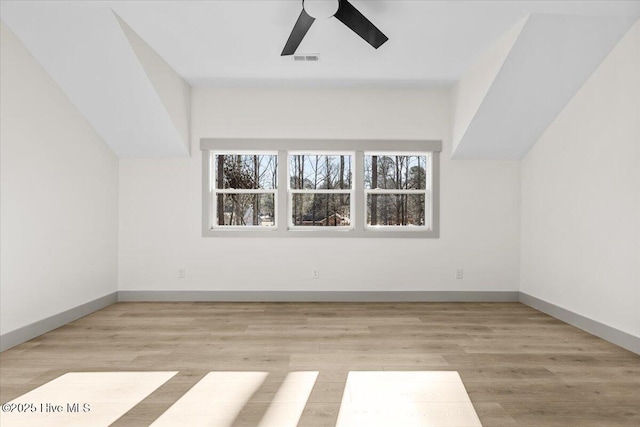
pixel 344 12
pixel 321 9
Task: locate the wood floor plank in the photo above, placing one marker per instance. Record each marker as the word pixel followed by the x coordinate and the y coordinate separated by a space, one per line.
pixel 519 366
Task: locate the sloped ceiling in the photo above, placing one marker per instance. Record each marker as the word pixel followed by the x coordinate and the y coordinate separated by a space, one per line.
pixel 547 64
pixel 131 78
pixel 87 53
pixel 174 92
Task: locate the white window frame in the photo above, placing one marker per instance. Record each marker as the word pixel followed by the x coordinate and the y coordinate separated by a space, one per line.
pixel 427 192
pixel 291 192
pixel 214 191
pixel 284 147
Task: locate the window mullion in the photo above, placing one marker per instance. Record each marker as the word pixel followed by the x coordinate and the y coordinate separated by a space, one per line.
pixel 282 198
pixel 321 191
pixel 246 191
pixel 209 183
pixel 358 205
pixel 394 191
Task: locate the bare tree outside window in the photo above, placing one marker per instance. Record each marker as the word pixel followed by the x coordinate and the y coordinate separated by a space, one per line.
pixel 245 188
pixel 320 189
pixel 397 189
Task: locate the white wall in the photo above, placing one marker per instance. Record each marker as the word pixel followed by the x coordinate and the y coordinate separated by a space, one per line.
pixel 59 197
pixel 160 203
pixel 581 198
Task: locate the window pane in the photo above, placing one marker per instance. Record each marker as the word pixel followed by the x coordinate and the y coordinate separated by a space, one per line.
pixel 313 172
pixel 396 209
pixel 395 172
pixel 246 171
pixel 245 209
pixel 321 209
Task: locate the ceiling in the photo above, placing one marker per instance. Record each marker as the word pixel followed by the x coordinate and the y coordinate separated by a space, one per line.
pixel 124 64
pixel 430 42
pixel 534 76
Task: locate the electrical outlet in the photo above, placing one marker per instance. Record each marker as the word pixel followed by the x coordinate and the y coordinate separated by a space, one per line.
pixel 459 273
pixel 315 273
pixel 182 272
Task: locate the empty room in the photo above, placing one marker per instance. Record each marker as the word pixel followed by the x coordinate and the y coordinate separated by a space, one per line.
pixel 322 213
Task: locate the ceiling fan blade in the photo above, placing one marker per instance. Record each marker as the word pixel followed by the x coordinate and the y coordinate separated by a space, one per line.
pixel 297 34
pixel 352 18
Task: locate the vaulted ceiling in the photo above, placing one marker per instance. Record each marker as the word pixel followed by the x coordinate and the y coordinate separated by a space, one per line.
pixel 124 64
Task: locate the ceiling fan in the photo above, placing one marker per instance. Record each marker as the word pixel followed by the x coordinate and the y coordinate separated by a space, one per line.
pixel 344 11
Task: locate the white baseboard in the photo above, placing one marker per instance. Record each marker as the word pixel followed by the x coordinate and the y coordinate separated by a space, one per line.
pixel 321 296
pixel 606 332
pixel 35 329
pixel 613 335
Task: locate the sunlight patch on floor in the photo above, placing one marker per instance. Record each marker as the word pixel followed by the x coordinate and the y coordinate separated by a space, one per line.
pixel 289 402
pixel 216 400
pixel 370 398
pixel 409 399
pixel 101 398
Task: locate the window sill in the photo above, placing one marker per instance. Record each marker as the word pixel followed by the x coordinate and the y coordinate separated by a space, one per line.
pixel 367 233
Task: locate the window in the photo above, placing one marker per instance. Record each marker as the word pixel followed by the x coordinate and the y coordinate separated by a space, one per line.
pixel 244 190
pixel 312 188
pixel 320 189
pixel 398 189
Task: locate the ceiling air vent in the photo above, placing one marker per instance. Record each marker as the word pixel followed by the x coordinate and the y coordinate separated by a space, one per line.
pixel 306 58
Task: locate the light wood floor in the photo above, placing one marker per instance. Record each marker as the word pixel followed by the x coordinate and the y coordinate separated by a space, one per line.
pixel 519 366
